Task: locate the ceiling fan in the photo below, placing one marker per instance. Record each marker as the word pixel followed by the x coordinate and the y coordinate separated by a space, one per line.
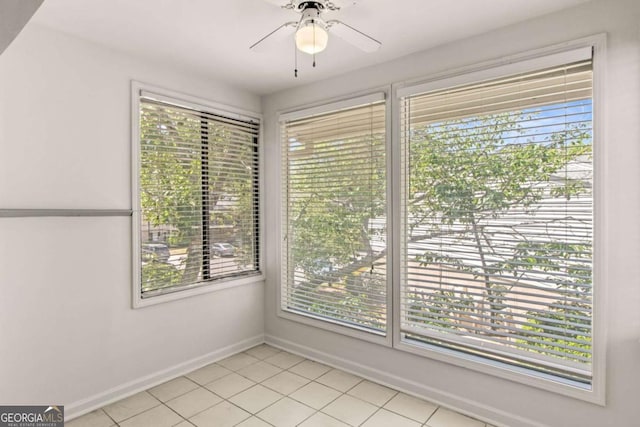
pixel 312 31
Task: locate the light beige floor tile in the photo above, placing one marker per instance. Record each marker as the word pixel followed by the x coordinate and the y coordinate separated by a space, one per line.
pixel 255 399
pixel 259 372
pixel 384 418
pixel 263 363
pixel 339 380
pixel 350 410
pixel 133 405
pixel 411 407
pixel 229 385
pixel 173 388
pixel 310 369
pixel 284 360
pixel 96 418
pixel 372 393
pixel 285 382
pixel 446 418
pixel 193 402
pixel 323 420
pixel 160 416
pixel 238 361
pixel 253 422
pixel 315 395
pixel 223 414
pixel 208 373
pixel 286 413
pixel 263 351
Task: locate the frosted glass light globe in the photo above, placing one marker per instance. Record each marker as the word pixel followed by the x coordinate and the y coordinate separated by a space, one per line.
pixel 312 37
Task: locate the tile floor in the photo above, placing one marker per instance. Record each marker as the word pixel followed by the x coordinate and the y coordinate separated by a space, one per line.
pixel 265 386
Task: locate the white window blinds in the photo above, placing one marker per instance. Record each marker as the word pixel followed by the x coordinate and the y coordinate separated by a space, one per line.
pixel 198 195
pixel 497 220
pixel 334 216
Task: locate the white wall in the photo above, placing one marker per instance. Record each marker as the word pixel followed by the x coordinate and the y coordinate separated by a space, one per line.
pixel 503 401
pixel 68 334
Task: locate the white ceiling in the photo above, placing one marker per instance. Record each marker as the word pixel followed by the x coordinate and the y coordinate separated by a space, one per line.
pixel 212 37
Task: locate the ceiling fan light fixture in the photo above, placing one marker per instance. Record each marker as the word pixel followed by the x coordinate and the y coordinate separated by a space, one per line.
pixel 312 35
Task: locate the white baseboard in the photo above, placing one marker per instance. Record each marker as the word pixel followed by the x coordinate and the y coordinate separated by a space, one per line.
pixel 122 391
pixel 464 406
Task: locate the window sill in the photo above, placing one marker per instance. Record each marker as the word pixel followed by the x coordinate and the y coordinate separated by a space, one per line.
pixel 592 393
pixel 381 338
pixel 193 290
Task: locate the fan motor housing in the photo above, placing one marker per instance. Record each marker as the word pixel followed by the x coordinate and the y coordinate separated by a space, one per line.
pixel 320 5
pixel 310 5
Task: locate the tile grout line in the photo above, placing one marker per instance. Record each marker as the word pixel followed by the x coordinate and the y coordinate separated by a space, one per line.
pixel 342 393
pixel 381 407
pixel 370 416
pixel 325 405
pixel 312 414
pixel 283 396
pixel 199 412
pixel 180 415
pixel 141 412
pixel 110 417
pixel 431 416
pixel 179 395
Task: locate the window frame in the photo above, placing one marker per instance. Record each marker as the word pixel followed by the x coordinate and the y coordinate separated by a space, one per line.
pixel 529 61
pixel 328 106
pixel 509 65
pixel 212 285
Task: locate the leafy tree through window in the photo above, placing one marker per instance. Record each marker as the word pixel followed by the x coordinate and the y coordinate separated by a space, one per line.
pixel 198 191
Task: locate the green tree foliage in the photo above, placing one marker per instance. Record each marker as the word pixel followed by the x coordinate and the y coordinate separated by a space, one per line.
pixel 330 228
pixel 170 184
pixel 574 343
pixel 178 151
pixel 332 222
pixel 154 272
pixel 463 176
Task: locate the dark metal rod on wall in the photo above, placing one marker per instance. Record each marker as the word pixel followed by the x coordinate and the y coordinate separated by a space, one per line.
pixel 23 213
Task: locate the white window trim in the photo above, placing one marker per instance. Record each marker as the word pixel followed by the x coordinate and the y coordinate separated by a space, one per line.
pixel 513 65
pixel 376 94
pixel 195 103
pixel 492 73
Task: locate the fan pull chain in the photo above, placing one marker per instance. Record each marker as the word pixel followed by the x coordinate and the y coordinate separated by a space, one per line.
pixel 295 56
pixel 313 21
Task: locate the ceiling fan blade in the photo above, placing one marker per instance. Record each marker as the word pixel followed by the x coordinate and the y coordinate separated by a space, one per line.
pixel 274 36
pixel 276 2
pixel 345 3
pixel 353 36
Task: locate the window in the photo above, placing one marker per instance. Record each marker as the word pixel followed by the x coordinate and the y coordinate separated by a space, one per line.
pixel 334 214
pixel 197 196
pixel 469 235
pixel 497 220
